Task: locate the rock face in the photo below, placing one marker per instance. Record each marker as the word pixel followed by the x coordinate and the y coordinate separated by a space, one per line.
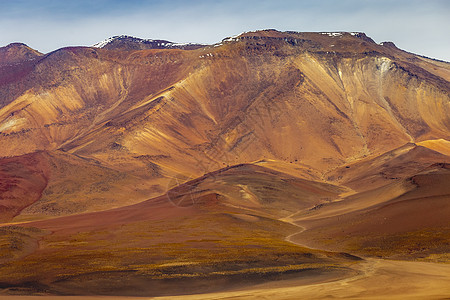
pixel 315 99
pixel 312 100
pixel 312 117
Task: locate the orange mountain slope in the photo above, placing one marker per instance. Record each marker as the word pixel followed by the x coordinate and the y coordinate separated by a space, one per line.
pixel 149 168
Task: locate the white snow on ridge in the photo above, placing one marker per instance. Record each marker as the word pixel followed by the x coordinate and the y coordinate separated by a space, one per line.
pixel 340 33
pixel 231 39
pixel 234 38
pixel 160 43
pixel 111 39
pixel 332 33
pixel 182 44
pixel 104 42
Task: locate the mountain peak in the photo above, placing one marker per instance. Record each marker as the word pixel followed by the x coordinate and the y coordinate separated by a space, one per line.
pixel 275 34
pixel 332 43
pixel 193 166
pixel 16 44
pixel 17 52
pixel 126 42
pixel 388 44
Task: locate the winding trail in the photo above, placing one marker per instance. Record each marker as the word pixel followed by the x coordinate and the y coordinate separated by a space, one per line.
pixel 372 279
pixel 363 270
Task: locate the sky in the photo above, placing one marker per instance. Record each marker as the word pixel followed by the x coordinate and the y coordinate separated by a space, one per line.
pixel 418 26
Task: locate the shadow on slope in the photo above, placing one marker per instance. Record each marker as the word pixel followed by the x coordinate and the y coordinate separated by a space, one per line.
pixel 224 239
pixel 45 184
pixel 407 219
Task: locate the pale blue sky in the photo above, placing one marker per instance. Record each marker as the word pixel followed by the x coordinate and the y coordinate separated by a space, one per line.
pixel 417 26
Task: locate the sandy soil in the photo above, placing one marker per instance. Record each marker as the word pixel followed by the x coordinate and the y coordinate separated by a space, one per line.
pixel 372 279
pixel 376 279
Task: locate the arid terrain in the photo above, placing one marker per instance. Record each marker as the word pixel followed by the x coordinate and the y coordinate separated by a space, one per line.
pixel 271 165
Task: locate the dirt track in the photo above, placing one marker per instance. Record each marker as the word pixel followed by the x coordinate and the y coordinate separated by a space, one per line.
pixel 372 279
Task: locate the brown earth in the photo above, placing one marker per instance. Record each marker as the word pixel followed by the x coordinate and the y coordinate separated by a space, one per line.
pixel 273 164
pixel 158 248
pixel 22 180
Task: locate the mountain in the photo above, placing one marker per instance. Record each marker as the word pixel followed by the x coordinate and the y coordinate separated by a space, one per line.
pixel 125 42
pixel 162 166
pixel 17 52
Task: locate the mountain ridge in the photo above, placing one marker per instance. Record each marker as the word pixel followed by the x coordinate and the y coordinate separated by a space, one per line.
pixel 126 42
pixel 175 168
pixel 329 60
pixel 259 33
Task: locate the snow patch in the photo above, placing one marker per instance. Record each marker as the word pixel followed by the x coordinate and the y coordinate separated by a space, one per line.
pixel 231 39
pixel 158 43
pixel 234 38
pixel 333 34
pixel 104 42
pixel 339 33
pixel 118 37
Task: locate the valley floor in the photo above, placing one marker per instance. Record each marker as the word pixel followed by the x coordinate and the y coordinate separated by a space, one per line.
pixel 374 279
pixel 326 233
